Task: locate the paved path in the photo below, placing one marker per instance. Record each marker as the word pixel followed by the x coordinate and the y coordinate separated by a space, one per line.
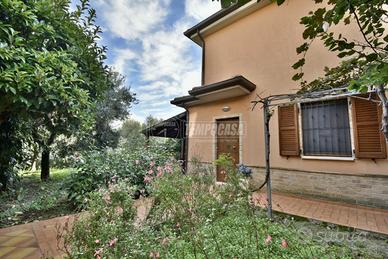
pixel 39 239
pixel 355 216
pixel 33 240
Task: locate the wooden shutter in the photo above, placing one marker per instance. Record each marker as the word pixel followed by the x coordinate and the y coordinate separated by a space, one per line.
pixel 288 131
pixel 369 140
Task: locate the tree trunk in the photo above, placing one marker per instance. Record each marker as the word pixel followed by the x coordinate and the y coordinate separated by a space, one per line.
pixel 4 158
pixel 34 158
pixel 45 165
pixel 384 103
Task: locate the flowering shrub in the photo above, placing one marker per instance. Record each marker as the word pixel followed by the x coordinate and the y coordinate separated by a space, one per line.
pixel 191 218
pixel 109 217
pixel 138 167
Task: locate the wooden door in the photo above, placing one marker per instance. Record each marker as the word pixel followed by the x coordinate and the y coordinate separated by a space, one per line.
pixel 228 142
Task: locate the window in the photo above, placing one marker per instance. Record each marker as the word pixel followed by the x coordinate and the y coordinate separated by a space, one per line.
pixel 326 129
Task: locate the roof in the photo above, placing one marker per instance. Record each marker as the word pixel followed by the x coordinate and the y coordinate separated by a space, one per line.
pixel 173 127
pixel 211 19
pixel 237 80
pixel 233 87
pixel 223 18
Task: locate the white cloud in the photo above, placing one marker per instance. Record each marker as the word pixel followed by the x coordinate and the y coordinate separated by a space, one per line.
pixel 201 9
pixel 130 19
pixel 121 62
pixel 167 63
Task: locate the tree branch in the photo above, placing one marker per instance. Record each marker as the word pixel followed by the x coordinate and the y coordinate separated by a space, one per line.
pixel 353 11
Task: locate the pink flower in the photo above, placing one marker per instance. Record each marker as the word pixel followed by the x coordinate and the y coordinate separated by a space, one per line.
pixel 113 242
pixel 168 168
pixel 119 210
pixel 147 179
pixel 137 162
pixel 284 243
pixel 151 171
pixel 97 241
pixel 152 163
pixel 106 197
pixel 155 255
pixel 159 168
pixel 159 174
pixel 268 240
pixel 165 241
pixel 98 252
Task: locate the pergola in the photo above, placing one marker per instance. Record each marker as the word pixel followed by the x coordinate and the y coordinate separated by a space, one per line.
pixel 269 102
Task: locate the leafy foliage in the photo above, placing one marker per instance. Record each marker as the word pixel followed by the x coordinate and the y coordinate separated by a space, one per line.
pixel 53 77
pixel 35 200
pixel 115 105
pixel 97 169
pixel 365 60
pixel 191 218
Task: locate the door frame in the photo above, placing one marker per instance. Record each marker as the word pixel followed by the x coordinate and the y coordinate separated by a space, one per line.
pixel 240 139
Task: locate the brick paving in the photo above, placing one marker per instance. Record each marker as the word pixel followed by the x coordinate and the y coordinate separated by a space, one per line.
pixel 344 214
pixel 40 239
pixel 33 240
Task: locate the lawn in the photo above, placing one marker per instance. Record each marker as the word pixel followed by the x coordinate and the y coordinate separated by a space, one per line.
pixel 36 200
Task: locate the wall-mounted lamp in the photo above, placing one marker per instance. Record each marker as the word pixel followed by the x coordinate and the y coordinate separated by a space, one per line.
pixel 226 109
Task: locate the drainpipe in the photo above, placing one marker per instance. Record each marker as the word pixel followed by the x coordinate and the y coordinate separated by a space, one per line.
pixel 203 57
pixel 186 141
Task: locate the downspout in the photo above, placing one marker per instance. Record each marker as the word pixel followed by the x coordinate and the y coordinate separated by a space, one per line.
pixel 186 140
pixel 203 57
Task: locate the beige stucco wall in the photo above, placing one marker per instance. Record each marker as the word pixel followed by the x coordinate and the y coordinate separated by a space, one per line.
pixel 261 47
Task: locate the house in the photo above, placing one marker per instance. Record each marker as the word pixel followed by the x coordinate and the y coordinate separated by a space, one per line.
pixel 331 149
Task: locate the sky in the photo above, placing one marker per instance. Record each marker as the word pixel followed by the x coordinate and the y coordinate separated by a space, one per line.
pixel 146 44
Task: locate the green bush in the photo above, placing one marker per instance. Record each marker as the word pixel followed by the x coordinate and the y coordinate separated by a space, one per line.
pixel 99 168
pixel 108 219
pixel 193 218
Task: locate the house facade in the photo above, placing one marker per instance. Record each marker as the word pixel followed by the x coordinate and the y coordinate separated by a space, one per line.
pixel 330 149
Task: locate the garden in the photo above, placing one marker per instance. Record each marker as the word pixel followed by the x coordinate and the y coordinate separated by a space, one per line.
pixel 193 218
pixel 60 154
pixel 190 217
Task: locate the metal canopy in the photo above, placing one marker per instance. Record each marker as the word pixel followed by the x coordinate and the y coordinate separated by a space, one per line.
pixel 174 127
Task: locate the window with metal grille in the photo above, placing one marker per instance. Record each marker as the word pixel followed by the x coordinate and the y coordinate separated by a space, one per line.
pixel 326 129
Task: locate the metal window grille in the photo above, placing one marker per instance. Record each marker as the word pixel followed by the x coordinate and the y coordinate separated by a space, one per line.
pixel 326 128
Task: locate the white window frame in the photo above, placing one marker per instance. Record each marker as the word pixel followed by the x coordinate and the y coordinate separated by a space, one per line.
pixel 336 158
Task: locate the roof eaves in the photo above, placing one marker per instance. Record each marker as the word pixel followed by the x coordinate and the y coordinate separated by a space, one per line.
pixel 237 80
pixel 180 101
pixel 211 19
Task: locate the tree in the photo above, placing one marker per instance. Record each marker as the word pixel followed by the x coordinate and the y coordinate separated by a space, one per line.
pixel 51 69
pixel 115 105
pixel 365 62
pixel 130 133
pixel 151 121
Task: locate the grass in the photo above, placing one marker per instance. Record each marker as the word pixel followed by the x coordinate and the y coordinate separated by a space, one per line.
pixel 358 241
pixel 36 200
